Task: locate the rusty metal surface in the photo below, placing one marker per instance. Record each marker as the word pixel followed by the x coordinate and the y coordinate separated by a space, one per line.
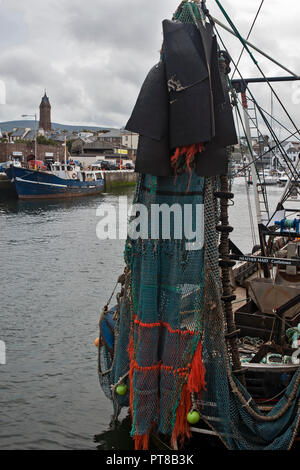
pixel 269 295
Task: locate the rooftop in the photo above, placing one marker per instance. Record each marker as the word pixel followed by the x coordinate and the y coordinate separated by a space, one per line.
pixel 114 133
pixel 19 132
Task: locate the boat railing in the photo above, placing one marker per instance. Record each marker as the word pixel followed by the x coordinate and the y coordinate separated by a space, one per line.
pixel 119 171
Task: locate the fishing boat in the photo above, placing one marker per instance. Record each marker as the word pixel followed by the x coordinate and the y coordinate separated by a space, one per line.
pixel 268 177
pixel 7 164
pixel 55 180
pixel 283 180
pixel 204 340
pixel 62 180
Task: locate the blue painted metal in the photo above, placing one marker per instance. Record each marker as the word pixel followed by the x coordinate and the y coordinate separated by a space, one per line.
pixel 107 328
pixel 285 224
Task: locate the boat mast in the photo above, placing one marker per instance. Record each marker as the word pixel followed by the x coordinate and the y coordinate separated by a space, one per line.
pixel 240 86
pixel 65 150
pixel 290 181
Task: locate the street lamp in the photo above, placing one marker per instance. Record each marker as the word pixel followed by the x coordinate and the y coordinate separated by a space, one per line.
pixel 35 133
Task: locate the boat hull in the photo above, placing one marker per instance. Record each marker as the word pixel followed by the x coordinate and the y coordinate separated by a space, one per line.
pixel 32 184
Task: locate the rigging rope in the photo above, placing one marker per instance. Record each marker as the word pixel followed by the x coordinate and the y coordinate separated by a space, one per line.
pixel 244 167
pixel 290 165
pixel 255 62
pixel 254 240
pixel 248 36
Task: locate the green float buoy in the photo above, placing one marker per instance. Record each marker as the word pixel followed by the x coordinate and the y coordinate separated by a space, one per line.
pixel 121 389
pixel 193 417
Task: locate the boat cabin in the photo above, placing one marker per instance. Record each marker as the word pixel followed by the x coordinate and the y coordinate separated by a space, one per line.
pixel 73 171
pixel 92 175
pixel 65 171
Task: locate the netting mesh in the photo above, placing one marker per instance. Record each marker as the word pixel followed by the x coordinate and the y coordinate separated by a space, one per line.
pixel 171 302
pixel 167 294
pixel 170 328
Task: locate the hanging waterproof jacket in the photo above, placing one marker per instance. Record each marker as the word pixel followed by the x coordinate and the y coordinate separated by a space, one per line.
pixel 184 101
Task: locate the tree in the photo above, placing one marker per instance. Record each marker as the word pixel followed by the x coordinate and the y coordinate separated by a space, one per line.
pixel 41 139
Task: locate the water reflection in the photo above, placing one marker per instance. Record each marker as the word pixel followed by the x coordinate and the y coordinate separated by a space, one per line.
pixel 9 203
pixel 117 437
pixel 55 279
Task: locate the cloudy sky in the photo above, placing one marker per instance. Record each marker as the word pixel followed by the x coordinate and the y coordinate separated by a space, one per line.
pixel 92 56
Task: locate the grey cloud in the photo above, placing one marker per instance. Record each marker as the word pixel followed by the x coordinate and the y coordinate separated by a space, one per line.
pixel 93 56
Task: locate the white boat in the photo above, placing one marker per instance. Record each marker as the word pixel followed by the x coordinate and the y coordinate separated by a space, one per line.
pixel 7 164
pixel 268 177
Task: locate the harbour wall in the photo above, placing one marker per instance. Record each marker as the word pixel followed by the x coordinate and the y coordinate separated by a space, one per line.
pixel 116 179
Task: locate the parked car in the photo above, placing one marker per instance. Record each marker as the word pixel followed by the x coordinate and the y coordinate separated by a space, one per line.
pixel 101 165
pixel 113 166
pixel 129 166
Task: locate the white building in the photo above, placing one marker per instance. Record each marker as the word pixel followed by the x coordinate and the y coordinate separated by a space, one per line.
pixel 130 140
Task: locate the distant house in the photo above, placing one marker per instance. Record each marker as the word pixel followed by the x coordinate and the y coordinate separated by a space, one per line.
pixel 293 153
pixel 290 144
pixel 100 149
pixel 30 135
pixel 19 133
pixel 130 140
pixel 85 134
pixel 114 136
pixel 94 149
pixel 58 137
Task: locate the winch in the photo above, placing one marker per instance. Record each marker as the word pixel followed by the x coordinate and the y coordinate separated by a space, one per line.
pixel 288 225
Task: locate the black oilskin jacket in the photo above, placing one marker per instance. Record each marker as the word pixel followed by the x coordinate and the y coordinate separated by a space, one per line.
pixel 183 101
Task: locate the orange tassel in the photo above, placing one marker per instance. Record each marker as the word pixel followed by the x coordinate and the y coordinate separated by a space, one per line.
pixel 182 428
pixel 196 380
pixel 190 151
pixel 174 158
pixel 141 442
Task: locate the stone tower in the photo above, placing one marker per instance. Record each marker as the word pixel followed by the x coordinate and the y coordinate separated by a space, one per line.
pixel 45 114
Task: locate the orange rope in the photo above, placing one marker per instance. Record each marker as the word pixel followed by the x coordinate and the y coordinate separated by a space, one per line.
pixel 194 373
pixel 166 325
pixel 196 381
pixel 182 428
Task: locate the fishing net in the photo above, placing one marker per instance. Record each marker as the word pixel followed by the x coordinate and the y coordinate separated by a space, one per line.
pixel 160 322
pixel 169 351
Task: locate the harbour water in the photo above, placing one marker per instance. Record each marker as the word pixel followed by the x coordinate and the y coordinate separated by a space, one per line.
pixel 55 275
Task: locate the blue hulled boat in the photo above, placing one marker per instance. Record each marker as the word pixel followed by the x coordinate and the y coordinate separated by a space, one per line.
pixel 61 180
